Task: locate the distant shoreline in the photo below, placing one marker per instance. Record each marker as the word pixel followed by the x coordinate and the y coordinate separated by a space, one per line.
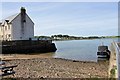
pixel 67 37
pixel 82 39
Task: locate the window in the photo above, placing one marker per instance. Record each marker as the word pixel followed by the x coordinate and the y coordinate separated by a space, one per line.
pixel 24 20
pixel 9 35
pixel 8 26
pixel 5 27
pixel 6 35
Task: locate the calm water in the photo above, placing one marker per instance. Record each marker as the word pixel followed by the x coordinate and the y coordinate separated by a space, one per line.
pixel 82 50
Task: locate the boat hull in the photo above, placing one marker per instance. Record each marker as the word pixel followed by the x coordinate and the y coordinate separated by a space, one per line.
pixel 103 55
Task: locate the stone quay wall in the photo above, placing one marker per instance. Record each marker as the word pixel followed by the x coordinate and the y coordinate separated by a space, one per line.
pixel 28 46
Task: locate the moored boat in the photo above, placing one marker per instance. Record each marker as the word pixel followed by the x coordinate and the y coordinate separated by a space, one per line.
pixel 103 52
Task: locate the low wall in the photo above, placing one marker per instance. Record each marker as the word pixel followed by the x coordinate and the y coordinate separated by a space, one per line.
pixel 112 62
pixel 118 59
pixel 28 46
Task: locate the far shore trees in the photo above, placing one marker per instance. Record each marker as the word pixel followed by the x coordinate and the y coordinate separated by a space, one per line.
pixel 68 37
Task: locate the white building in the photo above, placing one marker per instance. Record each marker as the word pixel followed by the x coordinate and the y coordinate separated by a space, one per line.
pixel 17 27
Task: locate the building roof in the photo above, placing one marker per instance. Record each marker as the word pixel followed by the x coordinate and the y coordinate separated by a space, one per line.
pixel 10 18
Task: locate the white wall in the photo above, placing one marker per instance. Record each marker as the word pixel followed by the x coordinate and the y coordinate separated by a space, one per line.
pixel 29 28
pixel 5 33
pixel 16 29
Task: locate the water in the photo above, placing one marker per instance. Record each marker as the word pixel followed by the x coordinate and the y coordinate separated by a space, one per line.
pixel 81 50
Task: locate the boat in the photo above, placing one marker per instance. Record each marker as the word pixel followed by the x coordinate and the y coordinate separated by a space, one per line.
pixel 103 52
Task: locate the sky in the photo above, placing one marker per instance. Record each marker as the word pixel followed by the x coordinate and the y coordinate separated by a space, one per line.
pixel 71 18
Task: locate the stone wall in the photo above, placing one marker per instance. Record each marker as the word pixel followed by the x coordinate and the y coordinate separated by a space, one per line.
pixel 28 46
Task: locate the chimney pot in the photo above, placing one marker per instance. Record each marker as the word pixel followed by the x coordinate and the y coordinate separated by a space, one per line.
pixel 23 10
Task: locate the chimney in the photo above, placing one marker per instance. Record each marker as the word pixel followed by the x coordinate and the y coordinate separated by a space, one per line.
pixel 23 21
pixel 23 14
pixel 23 11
